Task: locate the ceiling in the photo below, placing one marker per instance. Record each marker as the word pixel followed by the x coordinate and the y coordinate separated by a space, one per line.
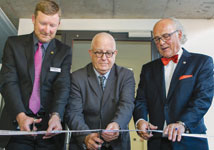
pixel 115 9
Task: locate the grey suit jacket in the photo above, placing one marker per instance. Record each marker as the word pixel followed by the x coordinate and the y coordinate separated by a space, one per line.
pixel 117 104
pixel 17 77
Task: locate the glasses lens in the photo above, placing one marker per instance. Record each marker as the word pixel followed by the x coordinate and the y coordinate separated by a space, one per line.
pixel 109 54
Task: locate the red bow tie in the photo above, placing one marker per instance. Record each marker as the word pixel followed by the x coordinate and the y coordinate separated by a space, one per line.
pixel 165 60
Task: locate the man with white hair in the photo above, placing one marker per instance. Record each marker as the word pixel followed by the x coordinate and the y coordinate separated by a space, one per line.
pixel 175 91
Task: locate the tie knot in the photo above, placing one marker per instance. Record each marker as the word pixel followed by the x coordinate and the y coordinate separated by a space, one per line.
pixel 39 44
pixel 167 60
pixel 102 79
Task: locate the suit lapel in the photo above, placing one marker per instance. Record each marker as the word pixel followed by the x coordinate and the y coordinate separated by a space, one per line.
pixel 29 52
pixel 160 79
pixel 180 68
pixel 93 82
pixel 49 55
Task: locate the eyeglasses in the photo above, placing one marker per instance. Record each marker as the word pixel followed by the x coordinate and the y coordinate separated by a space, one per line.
pixel 165 37
pixel 99 54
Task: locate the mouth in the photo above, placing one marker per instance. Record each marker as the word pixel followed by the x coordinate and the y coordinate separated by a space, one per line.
pixel 164 48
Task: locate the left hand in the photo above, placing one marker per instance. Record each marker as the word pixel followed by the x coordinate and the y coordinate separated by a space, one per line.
pixel 110 136
pixel 53 124
pixel 174 131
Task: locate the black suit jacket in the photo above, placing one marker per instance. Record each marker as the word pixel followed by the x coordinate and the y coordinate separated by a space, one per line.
pixel 17 78
pixel 188 98
pixel 117 103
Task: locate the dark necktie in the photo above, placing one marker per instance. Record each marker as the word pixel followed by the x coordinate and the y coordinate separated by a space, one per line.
pixel 165 60
pixel 102 79
pixel 34 103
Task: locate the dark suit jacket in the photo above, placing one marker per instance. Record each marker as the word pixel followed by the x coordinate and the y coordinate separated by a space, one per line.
pixel 188 99
pixel 17 77
pixel 117 104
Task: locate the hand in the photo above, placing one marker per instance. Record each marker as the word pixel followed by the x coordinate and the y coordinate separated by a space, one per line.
pixel 174 130
pixel 54 124
pixel 145 126
pixel 25 121
pixel 110 136
pixel 93 142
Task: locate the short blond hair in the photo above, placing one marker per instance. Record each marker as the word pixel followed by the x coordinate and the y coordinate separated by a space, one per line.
pixel 47 7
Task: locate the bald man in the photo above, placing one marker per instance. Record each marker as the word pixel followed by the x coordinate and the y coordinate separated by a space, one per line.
pixel 102 97
pixel 175 91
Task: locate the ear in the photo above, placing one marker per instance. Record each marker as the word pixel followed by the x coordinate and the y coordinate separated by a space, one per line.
pixel 90 52
pixel 33 19
pixel 180 34
pixel 115 52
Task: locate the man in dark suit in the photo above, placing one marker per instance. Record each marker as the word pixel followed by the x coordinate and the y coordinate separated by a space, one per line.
pixel 97 103
pixel 175 91
pixel 36 82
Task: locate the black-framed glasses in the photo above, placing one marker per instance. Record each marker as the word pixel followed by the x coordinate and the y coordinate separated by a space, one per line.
pixel 100 54
pixel 165 37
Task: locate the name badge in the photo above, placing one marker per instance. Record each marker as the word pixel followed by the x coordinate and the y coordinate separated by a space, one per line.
pixel 53 69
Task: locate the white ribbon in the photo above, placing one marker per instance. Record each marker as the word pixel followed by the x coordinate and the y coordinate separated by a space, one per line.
pixel 10 132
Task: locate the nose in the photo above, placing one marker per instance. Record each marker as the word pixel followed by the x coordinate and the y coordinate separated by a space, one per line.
pixel 162 41
pixel 47 29
pixel 104 56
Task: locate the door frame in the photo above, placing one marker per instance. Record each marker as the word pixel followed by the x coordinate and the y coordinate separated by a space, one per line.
pixel 72 35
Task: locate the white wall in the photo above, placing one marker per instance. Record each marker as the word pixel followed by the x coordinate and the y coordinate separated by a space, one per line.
pixel 200 34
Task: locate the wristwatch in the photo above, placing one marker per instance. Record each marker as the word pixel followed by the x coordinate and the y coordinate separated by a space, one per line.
pixel 184 125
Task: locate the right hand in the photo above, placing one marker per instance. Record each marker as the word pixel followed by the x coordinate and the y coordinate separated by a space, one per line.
pixel 145 126
pixel 25 121
pixel 93 141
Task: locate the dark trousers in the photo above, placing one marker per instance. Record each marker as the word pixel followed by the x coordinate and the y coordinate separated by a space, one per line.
pixel 165 144
pixel 37 142
pixel 31 143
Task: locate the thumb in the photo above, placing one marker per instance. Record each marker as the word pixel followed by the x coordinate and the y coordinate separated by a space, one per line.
pixel 153 127
pixel 38 120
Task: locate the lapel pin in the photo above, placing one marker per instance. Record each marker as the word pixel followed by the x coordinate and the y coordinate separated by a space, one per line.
pixel 52 52
pixel 184 62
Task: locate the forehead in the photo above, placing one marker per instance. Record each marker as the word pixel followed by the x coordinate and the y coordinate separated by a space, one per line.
pixel 51 18
pixel 104 43
pixel 163 26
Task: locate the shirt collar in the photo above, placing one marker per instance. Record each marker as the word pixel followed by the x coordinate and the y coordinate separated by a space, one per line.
pixel 180 52
pixel 35 42
pixel 98 74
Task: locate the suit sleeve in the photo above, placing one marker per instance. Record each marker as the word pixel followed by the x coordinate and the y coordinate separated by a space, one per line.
pixel 10 82
pixel 61 86
pixel 125 107
pixel 141 109
pixel 202 95
pixel 74 111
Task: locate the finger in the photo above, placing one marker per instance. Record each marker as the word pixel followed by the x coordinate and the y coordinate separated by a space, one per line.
pixel 174 135
pixel 98 140
pixel 48 136
pixel 166 130
pixel 170 131
pixel 95 145
pixel 145 136
pixel 152 127
pixel 179 136
pixel 37 120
